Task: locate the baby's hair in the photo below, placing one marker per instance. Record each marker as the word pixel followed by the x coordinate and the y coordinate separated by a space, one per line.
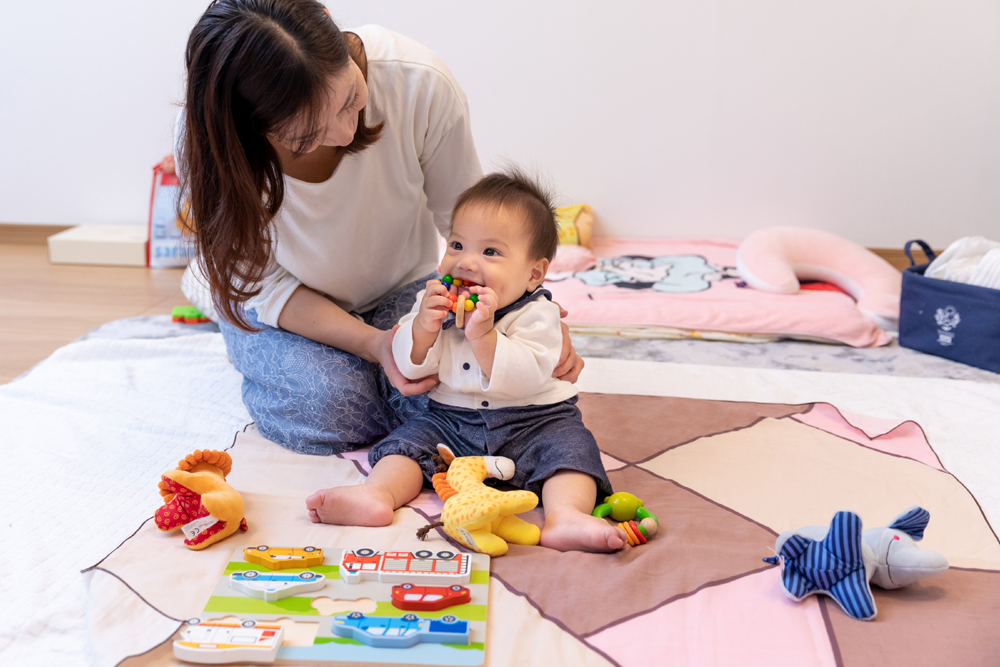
pixel 513 188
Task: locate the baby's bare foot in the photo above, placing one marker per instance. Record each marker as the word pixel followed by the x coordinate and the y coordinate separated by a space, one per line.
pixel 569 529
pixel 359 505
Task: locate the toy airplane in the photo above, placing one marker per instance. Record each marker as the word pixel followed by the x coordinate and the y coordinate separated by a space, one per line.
pixel 842 561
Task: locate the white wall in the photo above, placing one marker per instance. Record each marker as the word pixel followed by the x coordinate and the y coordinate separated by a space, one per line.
pixel 879 121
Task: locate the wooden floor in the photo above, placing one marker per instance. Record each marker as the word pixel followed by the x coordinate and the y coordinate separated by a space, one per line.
pixel 46 306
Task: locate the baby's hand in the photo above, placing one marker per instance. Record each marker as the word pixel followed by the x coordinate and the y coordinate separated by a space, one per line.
pixel 479 322
pixel 434 307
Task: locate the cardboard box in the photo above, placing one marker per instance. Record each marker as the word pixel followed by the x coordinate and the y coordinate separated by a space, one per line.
pixel 113 245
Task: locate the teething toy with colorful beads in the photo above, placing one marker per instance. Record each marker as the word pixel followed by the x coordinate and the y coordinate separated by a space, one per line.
pixel 450 282
pixel 625 508
pixel 460 303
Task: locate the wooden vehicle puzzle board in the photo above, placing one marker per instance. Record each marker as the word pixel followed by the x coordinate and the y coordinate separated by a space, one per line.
pixel 329 648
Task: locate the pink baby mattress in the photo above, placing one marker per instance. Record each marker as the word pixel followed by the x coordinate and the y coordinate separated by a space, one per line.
pixel 690 288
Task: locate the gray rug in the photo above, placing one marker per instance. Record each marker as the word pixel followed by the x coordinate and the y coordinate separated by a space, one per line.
pixel 793 355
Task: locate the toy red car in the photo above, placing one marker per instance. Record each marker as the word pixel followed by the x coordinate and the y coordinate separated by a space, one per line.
pixel 428 598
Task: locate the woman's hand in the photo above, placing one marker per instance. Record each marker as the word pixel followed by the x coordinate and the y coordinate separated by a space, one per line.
pixel 570 363
pixel 382 351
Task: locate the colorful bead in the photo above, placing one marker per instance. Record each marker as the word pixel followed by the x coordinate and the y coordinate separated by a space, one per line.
pixel 638 533
pixel 474 298
pixel 631 531
pixel 632 541
pixel 446 280
pixel 457 282
pixel 469 305
pixel 650 525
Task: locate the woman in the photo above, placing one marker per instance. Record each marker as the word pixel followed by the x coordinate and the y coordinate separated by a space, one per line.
pixel 321 167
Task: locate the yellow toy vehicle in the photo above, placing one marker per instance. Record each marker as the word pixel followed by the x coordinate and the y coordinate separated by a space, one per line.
pixel 281 558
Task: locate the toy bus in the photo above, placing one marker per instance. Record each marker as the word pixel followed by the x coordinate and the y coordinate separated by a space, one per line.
pixel 424 567
pixel 218 642
pixel 400 632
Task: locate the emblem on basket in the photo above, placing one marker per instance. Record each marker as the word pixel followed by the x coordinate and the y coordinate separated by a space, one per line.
pixel 947 319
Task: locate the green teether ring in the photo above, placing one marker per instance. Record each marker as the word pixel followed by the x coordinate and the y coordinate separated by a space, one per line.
pixel 643 513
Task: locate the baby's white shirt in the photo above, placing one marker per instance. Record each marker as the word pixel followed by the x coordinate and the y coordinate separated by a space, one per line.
pixel 375 224
pixel 529 343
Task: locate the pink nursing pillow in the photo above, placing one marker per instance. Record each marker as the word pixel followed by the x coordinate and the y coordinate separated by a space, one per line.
pixel 775 259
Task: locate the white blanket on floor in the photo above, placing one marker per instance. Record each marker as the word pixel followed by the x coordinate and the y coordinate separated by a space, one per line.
pixel 91 429
pixel 86 435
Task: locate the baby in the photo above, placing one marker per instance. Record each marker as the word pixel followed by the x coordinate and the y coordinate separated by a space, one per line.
pixel 496 395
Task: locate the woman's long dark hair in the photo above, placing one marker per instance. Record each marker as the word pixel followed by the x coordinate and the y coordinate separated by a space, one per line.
pixel 253 66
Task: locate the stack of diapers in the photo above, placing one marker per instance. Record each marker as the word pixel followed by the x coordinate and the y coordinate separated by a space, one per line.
pixel 972 260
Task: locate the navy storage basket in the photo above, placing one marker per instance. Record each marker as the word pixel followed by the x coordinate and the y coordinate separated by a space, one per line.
pixel 948 319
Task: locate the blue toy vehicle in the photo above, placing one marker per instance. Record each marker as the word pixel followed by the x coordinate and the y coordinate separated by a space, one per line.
pixel 272 586
pixel 401 632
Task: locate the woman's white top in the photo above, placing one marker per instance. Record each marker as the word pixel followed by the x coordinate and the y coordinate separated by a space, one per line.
pixel 529 343
pixel 374 225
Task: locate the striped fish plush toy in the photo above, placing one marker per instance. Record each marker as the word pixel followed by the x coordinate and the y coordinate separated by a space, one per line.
pixel 842 561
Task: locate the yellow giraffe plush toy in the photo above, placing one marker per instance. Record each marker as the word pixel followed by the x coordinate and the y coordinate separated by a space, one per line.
pixel 478 516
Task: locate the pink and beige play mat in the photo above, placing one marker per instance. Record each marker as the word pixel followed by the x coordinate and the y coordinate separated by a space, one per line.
pixel 726 457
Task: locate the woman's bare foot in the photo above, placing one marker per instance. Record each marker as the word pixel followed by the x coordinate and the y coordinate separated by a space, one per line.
pixel 360 505
pixel 569 529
